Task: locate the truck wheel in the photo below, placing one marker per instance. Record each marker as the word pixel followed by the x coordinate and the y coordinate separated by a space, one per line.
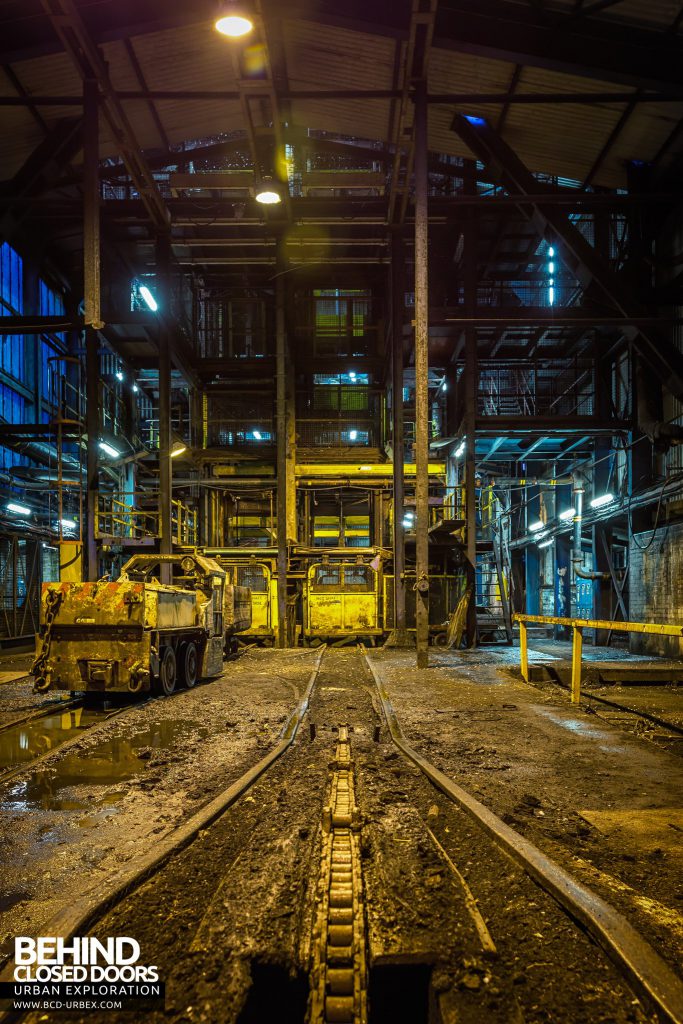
pixel 165 684
pixel 189 664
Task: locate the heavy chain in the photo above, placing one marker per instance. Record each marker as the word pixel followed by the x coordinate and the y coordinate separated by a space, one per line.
pixel 53 599
pixel 339 989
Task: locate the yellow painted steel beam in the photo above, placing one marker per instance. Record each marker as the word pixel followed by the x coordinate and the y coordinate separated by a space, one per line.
pixel 361 470
pixel 323 470
pixel 655 628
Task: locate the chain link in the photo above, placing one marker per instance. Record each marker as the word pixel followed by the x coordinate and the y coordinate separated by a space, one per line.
pixel 53 599
pixel 339 989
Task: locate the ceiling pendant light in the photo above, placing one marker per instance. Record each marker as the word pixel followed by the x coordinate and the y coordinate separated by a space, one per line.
pixel 268 192
pixel 232 21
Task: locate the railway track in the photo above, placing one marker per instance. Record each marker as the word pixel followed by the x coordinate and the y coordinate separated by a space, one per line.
pixel 638 961
pixel 669 736
pixel 327 804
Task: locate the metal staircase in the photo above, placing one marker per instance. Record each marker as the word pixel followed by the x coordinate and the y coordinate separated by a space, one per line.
pixel 494 618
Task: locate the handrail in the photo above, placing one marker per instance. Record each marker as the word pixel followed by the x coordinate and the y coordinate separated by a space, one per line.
pixel 119 518
pixel 578 626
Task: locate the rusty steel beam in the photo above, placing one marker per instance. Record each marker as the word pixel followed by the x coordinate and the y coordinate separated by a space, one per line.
pixel 587 265
pixel 398 440
pixel 75 38
pixel 470 390
pixel 92 313
pixel 154 113
pixel 415 67
pixel 145 95
pixel 164 292
pixel 281 457
pixel 422 417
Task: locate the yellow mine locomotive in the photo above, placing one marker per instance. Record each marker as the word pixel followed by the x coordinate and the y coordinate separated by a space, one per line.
pixel 137 634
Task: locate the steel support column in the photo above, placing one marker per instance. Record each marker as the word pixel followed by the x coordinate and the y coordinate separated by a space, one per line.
pixel 92 316
pixel 290 414
pixel 92 425
pixel 470 421
pixel 281 436
pixel 470 480
pixel 400 635
pixel 421 376
pixel 163 284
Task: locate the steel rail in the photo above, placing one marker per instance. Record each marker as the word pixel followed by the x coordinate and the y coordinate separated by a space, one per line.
pixel 635 958
pixel 83 912
pixel 646 715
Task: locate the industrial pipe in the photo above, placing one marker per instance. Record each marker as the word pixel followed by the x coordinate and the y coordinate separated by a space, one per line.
pixel 577 554
pixel 529 481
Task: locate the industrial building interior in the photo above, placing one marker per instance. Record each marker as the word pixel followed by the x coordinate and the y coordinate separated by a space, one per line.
pixel 342 375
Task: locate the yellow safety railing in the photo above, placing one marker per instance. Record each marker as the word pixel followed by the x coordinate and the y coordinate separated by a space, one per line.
pixel 183 523
pixel 119 515
pixel 578 626
pixel 130 515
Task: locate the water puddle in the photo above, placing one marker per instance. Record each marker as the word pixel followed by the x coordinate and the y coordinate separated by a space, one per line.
pixel 25 741
pixel 115 760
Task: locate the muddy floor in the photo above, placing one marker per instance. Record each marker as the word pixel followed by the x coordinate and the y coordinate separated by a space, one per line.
pixel 106 793
pixel 597 797
pixel 456 933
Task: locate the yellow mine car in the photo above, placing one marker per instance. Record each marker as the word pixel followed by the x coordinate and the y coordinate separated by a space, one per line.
pixel 260 578
pixel 341 599
pixel 137 634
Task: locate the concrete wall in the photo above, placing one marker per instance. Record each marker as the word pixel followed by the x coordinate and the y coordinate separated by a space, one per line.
pixel 656 588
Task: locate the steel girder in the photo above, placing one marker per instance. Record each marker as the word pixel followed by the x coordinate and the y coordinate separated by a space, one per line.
pixel 588 266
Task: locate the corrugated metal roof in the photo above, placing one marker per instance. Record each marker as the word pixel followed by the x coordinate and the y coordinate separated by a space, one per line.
pixel 644 12
pixel 561 139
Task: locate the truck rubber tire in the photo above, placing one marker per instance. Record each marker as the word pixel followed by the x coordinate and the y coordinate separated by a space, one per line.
pixel 188 664
pixel 165 684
